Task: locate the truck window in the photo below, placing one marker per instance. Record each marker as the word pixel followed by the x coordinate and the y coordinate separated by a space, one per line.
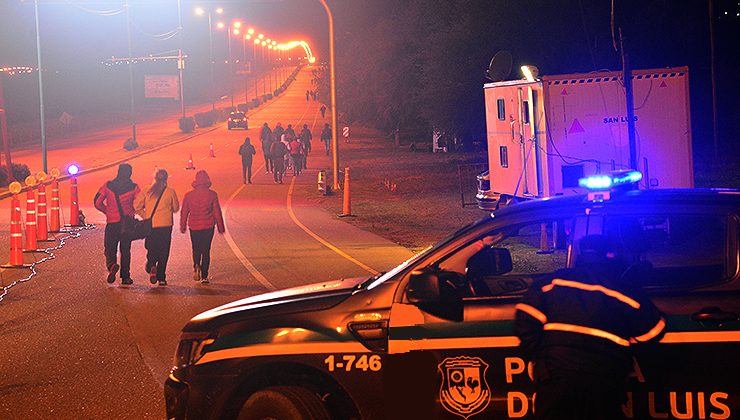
pixel 504 156
pixel 526 111
pixel 501 109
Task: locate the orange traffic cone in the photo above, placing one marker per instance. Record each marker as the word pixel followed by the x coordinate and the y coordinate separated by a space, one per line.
pixel 54 209
pixel 347 203
pixel 31 244
pixel 16 234
pixel 42 226
pixel 74 207
pixel 212 153
pixel 190 163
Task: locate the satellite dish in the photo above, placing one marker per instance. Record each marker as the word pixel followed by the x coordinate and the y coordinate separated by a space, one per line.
pixel 500 66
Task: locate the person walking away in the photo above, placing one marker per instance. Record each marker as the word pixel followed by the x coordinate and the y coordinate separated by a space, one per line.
pixel 116 200
pixel 295 156
pixel 287 138
pixel 323 110
pixel 290 132
pixel 266 140
pixel 577 326
pixel 201 211
pixel 246 150
pixel 158 202
pixel 308 94
pixel 326 138
pixel 306 141
pixel 277 152
pixel 278 132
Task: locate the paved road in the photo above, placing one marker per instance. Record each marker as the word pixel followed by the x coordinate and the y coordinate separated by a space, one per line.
pixel 75 347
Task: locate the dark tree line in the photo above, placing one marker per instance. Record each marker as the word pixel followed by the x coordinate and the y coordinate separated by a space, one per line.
pixel 420 64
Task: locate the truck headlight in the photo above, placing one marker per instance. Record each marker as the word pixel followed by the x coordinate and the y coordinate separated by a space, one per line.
pixel 191 347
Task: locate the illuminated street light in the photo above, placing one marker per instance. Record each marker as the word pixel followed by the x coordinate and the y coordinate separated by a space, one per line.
pixel 260 36
pixel 250 31
pixel 220 25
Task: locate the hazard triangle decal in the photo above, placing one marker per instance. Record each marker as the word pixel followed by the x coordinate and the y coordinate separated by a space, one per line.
pixel 576 127
pixel 662 84
pixel 564 92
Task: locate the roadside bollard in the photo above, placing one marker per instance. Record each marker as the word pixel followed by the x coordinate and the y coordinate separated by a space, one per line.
pixel 74 207
pixel 347 203
pixel 16 230
pixel 322 182
pixel 42 224
pixel 55 225
pixel 31 244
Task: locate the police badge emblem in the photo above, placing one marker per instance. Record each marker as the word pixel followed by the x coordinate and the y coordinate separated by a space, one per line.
pixel 464 390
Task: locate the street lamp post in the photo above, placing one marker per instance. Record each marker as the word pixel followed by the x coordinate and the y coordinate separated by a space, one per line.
pixel 332 89
pixel 200 11
pixel 41 89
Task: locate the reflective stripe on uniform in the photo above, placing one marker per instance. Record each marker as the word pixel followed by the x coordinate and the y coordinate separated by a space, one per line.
pixel 532 311
pixel 592 288
pixel 555 326
pixel 657 329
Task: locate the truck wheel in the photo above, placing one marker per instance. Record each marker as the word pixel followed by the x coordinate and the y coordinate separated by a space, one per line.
pixel 283 403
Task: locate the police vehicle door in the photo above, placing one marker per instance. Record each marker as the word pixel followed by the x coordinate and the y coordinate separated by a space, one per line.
pixel 452 350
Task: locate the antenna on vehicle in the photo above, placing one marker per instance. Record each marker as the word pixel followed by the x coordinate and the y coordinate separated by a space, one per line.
pixel 500 66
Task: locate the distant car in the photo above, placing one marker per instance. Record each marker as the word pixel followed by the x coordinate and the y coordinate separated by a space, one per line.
pixel 434 337
pixel 238 120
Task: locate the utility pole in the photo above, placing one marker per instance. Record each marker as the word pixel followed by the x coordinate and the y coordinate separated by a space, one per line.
pixel 333 91
pixel 715 134
pixel 41 88
pixel 180 61
pixel 131 73
pixel 627 76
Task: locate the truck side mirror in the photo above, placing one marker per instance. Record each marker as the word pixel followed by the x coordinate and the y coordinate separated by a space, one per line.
pixel 423 287
pixel 489 262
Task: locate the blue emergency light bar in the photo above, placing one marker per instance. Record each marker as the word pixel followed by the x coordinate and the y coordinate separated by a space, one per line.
pixel 611 180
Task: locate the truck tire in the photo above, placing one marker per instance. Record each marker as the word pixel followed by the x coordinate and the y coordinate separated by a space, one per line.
pixel 283 403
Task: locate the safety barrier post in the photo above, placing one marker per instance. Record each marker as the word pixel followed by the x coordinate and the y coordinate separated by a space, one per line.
pixel 31 244
pixel 322 182
pixel 42 224
pixel 16 230
pixel 55 225
pixel 74 207
pixel 347 203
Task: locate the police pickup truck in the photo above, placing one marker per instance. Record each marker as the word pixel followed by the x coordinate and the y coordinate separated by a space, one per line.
pixel 433 337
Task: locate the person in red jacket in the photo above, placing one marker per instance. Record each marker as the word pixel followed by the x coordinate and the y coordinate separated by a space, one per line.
pixel 116 194
pixel 201 211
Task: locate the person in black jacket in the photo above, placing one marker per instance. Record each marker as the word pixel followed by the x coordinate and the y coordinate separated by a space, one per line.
pixel 246 150
pixel 266 140
pixel 577 326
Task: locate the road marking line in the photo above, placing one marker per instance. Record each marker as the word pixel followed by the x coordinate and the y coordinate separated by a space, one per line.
pixel 289 204
pixel 238 252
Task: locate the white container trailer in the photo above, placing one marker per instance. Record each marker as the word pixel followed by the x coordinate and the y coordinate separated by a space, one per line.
pixel 545 135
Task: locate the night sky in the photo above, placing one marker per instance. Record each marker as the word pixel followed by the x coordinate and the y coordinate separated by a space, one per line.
pixel 559 36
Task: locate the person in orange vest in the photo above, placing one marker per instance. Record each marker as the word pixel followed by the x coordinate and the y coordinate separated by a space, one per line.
pixel 116 200
pixel 578 326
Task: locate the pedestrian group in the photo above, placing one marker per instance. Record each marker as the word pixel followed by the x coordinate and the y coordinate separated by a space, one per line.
pixel 120 199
